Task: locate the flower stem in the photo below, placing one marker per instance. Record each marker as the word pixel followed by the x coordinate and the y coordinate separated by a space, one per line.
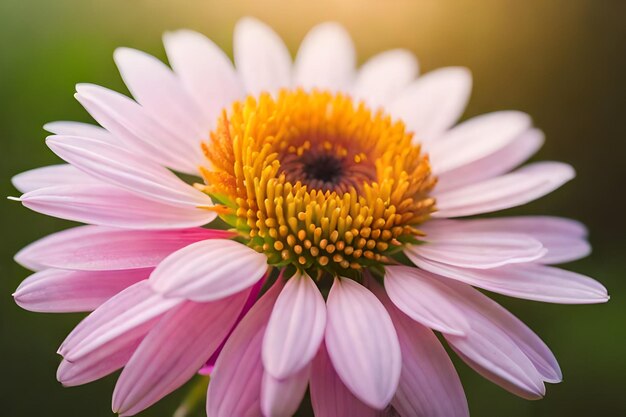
pixel 194 397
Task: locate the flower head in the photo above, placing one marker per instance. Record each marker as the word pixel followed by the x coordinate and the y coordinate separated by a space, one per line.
pixel 330 254
pixel 317 181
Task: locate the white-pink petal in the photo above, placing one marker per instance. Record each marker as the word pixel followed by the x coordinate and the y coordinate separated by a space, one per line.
pixel 140 132
pixel 108 205
pixel 384 76
pixel 362 343
pixel 174 351
pixel 329 396
pixel 529 281
pixel 125 317
pixel 118 166
pixel 326 59
pixel 158 89
pixel 93 366
pixel 60 291
pixel 532 346
pixel 262 59
pixel 96 248
pixel 433 102
pixel 564 249
pixel 68 128
pixel 564 239
pixel 209 270
pixel 282 397
pixel 205 71
pixel 429 385
pixel 502 348
pixel 235 387
pixel 495 357
pixel 537 226
pixel 296 327
pixel 420 296
pixel 476 138
pixel 519 187
pixel 476 248
pixel 497 163
pixel 50 176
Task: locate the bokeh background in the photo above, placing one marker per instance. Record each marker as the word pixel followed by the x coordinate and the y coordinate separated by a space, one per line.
pixel 562 61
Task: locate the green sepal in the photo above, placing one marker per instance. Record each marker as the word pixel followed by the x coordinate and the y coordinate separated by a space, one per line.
pixel 401 258
pixel 231 219
pixel 223 199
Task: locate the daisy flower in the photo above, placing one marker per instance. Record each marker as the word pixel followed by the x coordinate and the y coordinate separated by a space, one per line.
pixel 285 226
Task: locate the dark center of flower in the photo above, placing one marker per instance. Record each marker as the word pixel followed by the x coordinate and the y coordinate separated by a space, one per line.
pixel 326 170
pixel 322 171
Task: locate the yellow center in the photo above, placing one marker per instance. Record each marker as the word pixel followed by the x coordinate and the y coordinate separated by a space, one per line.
pixel 314 180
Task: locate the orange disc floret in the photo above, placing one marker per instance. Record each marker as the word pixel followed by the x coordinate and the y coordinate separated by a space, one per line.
pixel 317 181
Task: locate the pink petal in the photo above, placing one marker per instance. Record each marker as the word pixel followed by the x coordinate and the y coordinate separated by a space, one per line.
pixel 59 291
pixel 157 89
pixel 118 166
pixel 296 327
pixel 235 387
pixel 523 337
pixel 80 129
pixel 209 270
pixel 420 296
pixel 519 187
pixel 362 343
pixel 529 281
pixel 329 396
pixel 434 102
pixel 92 367
pixel 282 397
pixel 204 70
pixel 107 205
pixel 140 132
pixel 494 164
pixel 476 138
pixel 384 76
pixel 262 59
pixel 501 363
pixel 564 239
pixel 429 384
pixel 97 248
pixel 253 296
pixel 173 352
pixel 326 59
pixel 533 225
pixel 477 249
pixel 561 250
pixel 62 174
pixel 125 317
pixel 502 348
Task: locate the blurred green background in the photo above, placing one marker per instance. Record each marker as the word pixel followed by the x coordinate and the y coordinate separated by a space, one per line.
pixel 562 61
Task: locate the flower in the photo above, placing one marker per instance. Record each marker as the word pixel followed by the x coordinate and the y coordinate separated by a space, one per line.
pixel 332 255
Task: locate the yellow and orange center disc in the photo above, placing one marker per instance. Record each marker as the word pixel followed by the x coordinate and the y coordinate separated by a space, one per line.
pixel 315 180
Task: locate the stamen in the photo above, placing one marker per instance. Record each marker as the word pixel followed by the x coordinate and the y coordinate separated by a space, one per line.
pixel 220 209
